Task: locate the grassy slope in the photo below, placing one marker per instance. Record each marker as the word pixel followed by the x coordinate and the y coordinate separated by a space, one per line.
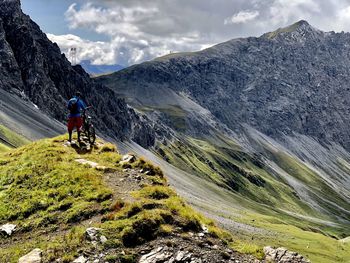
pixel 4 148
pixel 12 138
pixel 223 162
pixel 49 196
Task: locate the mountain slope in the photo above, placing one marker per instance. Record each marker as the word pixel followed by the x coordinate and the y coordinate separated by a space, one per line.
pixel 265 118
pixel 295 81
pixel 99 207
pixel 34 69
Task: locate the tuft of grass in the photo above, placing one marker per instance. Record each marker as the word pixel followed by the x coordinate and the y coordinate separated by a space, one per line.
pixel 148 168
pixel 108 147
pixel 157 192
pixel 248 248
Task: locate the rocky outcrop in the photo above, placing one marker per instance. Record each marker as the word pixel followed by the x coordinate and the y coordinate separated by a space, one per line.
pixel 282 255
pixel 34 68
pixel 293 80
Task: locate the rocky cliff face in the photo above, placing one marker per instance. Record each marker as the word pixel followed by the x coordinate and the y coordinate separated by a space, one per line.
pixel 34 68
pixel 293 80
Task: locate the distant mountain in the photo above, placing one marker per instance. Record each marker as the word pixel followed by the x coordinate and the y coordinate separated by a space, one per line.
pixel 265 117
pixel 99 69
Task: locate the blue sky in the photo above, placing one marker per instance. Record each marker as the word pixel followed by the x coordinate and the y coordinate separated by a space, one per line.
pixel 131 31
pixel 49 15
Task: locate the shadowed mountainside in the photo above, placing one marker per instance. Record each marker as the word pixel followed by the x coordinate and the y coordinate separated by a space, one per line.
pixel 34 69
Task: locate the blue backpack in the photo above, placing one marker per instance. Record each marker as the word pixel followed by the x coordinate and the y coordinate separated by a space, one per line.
pixel 73 106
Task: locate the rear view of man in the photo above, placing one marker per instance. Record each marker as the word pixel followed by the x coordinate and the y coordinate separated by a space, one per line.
pixel 75 106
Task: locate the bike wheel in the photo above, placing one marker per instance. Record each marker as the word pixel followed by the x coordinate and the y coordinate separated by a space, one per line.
pixel 91 134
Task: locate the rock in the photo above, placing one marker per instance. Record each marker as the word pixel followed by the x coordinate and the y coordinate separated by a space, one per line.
pixel 179 256
pixel 80 259
pixel 7 229
pixel 92 233
pixel 282 255
pixel 205 229
pixel 33 257
pixel 90 163
pixel 128 158
pixel 103 239
pixel 155 256
pixel 201 234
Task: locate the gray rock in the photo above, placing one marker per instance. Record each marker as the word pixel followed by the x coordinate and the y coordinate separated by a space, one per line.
pixel 80 259
pixel 33 257
pixel 156 255
pixel 103 239
pixel 7 229
pixel 92 233
pixel 282 255
pixel 179 256
pixel 128 159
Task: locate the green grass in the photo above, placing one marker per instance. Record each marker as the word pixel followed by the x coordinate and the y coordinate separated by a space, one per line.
pixel 288 29
pixel 11 137
pixel 175 114
pixel 48 195
pixel 41 179
pixel 315 246
pixel 4 148
pixel 271 198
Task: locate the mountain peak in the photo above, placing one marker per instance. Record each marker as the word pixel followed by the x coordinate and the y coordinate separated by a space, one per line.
pixel 9 7
pixel 301 28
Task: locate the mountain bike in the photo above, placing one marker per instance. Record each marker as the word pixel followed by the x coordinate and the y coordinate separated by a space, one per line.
pixel 88 129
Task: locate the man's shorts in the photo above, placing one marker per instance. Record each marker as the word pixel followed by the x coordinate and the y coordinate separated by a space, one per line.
pixel 75 122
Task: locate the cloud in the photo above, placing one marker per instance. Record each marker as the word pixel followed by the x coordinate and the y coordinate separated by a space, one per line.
pixel 99 53
pixel 241 17
pixel 138 30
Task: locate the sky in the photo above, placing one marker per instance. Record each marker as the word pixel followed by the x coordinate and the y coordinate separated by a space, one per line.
pixel 127 32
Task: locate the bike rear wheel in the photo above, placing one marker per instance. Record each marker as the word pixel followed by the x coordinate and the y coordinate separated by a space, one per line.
pixel 91 134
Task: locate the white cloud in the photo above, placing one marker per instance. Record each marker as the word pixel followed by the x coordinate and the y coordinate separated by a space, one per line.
pixel 137 33
pixel 343 19
pixel 99 53
pixel 242 17
pixel 285 11
pixel 138 30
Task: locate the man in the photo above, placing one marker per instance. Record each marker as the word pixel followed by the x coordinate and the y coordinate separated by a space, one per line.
pixel 75 106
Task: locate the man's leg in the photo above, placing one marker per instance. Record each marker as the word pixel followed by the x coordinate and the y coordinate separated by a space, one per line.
pixel 79 125
pixel 70 129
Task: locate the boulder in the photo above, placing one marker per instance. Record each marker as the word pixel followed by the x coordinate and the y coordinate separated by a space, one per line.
pixel 93 233
pixel 80 259
pixel 7 229
pixel 128 158
pixel 83 161
pixel 282 255
pixel 156 255
pixel 33 257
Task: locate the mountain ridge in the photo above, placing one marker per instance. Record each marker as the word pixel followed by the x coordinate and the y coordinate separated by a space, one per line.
pixel 264 118
pixel 37 71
